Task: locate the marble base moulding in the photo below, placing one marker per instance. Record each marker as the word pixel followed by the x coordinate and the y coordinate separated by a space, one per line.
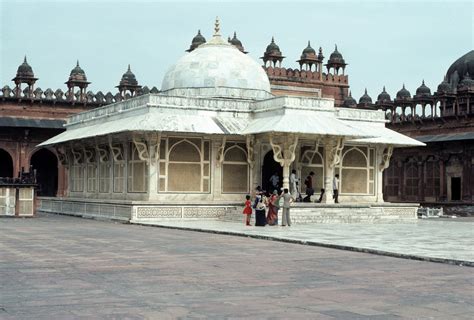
pixel 301 213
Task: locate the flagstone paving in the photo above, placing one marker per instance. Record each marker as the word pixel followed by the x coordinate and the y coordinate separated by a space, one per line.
pixel 449 240
pixel 60 267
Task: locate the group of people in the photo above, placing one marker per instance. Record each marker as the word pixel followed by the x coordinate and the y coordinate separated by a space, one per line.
pixel 273 202
pixel 277 200
pixel 309 188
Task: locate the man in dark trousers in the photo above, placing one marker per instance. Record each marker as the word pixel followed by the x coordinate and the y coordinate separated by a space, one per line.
pixel 309 187
pixel 335 187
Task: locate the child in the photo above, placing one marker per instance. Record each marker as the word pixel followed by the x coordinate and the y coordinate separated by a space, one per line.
pixel 247 210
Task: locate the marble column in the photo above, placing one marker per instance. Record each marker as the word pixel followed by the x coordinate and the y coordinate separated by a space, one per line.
pixel 217 151
pixel 380 165
pixel 153 159
pixel 284 148
pixel 332 156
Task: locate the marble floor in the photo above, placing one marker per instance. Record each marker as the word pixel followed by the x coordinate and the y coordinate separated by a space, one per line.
pixel 444 240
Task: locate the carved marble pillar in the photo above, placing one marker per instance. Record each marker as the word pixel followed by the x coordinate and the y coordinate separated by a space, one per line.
pixel 63 166
pixel 256 171
pixel 250 144
pixel 217 157
pixel 383 159
pixel 118 151
pixel 148 147
pixel 332 156
pixel 284 147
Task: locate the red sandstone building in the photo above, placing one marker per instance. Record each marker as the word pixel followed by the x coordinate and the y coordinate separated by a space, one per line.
pixel 440 173
pixel 443 171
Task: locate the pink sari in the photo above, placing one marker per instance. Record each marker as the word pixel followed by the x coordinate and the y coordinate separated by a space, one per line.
pixel 272 215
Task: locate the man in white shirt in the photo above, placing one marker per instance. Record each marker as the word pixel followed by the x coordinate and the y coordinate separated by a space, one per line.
pixel 335 187
pixel 294 184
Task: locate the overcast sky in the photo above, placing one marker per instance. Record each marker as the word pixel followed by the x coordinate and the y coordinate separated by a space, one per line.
pixel 385 43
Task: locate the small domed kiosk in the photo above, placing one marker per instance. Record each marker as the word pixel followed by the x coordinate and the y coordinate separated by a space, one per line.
pixel 195 149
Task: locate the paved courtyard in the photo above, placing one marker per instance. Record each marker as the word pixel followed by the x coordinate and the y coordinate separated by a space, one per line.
pixel 59 267
pixel 445 240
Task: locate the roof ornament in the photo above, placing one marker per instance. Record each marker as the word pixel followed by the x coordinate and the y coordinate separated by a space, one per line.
pixel 217 27
pixel 216 38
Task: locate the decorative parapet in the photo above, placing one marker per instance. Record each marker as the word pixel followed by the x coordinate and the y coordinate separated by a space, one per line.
pixel 159 100
pixel 360 114
pixel 50 96
pixel 324 104
pixel 305 75
pixel 220 92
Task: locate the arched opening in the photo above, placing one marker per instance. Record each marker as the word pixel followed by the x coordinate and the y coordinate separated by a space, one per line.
pixel 270 166
pixel 354 171
pixel 6 165
pixel 46 165
pixel 185 167
pixel 235 170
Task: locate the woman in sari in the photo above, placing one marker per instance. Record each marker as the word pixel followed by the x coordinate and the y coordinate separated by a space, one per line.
pixel 272 216
pixel 259 205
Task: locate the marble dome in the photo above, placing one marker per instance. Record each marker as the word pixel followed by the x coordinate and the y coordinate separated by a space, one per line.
pixel 217 69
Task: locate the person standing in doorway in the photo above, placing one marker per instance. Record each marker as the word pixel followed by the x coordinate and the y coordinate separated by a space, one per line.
pixel 287 200
pixel 335 187
pixel 309 187
pixel 294 184
pixel 274 181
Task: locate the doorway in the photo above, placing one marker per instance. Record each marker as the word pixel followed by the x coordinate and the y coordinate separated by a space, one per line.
pixel 270 166
pixel 455 188
pixel 46 165
pixel 6 164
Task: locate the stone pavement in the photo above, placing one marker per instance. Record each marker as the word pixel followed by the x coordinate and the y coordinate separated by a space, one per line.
pixel 60 267
pixel 440 240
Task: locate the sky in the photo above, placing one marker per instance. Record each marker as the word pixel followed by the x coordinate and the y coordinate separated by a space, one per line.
pixel 387 43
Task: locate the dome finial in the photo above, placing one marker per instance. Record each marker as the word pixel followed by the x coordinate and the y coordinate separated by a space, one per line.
pixel 273 39
pixel 129 68
pixel 217 27
pixel 335 47
pixel 216 38
pixel 365 90
pixel 24 60
pixel 384 88
pixel 77 63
